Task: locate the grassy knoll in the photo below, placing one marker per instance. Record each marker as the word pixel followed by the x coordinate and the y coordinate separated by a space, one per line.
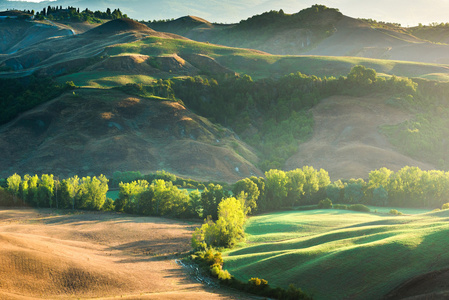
pixel 335 254
pixel 244 61
pixel 260 65
pixel 105 79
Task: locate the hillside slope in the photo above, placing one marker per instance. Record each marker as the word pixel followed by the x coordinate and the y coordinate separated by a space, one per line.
pixel 354 255
pixel 355 38
pixel 102 131
pixel 19 34
pixel 314 31
pixel 124 52
pixel 66 54
pixel 346 141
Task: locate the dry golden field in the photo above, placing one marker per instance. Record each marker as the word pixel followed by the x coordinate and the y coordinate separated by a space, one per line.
pixel 58 255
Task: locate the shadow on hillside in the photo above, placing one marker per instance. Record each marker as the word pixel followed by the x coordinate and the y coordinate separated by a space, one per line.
pixel 387 222
pixel 153 249
pixel 429 285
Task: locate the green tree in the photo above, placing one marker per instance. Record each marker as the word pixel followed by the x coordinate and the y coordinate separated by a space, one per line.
pixel 315 181
pixel 70 188
pixel 334 191
pixel 379 177
pixel 380 196
pixel 195 203
pixel 362 76
pixel 275 189
pixel 295 186
pixel 228 229
pixel 32 195
pixel 23 190
pixel 354 191
pixel 160 189
pixel 210 198
pixel 93 192
pixel 231 218
pixel 129 194
pixel 145 200
pixel 251 191
pixel 46 190
pixel 14 186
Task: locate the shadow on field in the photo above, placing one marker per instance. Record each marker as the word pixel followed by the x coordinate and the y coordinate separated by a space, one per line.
pixel 388 222
pixel 152 249
pixel 68 217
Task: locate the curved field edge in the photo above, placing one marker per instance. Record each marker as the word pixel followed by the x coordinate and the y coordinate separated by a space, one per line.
pixel 338 254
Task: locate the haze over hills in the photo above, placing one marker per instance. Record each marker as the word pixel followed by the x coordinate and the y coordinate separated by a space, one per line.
pixel 313 31
pixel 124 52
pixel 221 102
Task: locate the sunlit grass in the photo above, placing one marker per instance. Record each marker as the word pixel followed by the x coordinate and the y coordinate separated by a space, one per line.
pixel 106 79
pixel 436 76
pixel 260 65
pixel 335 254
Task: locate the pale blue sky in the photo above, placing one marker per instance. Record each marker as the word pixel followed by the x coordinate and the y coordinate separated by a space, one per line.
pixel 405 12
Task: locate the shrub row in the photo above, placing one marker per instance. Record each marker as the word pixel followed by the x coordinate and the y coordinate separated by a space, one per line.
pixel 212 261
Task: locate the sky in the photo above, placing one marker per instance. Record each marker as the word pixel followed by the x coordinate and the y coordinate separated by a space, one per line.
pixel 405 12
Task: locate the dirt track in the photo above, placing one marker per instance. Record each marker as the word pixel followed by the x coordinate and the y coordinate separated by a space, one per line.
pixel 346 140
pixel 95 255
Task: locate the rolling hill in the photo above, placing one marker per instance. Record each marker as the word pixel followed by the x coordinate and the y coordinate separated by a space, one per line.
pixel 19 34
pixel 116 120
pixel 65 54
pixel 346 255
pixel 124 51
pixel 90 132
pixel 314 31
pixel 346 141
pixel 48 254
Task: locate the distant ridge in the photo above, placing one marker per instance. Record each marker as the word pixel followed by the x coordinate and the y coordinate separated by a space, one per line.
pixel 182 26
pixel 193 19
pixel 120 25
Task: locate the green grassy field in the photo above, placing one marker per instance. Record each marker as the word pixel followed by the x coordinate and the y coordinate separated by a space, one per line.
pixel 103 79
pixel 244 61
pixel 260 65
pixel 337 254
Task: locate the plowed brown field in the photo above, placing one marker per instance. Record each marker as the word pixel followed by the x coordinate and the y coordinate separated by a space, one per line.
pixel 56 255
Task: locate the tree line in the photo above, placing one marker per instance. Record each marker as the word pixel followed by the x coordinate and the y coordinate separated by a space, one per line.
pixel 48 191
pixel 408 187
pixel 165 194
pixel 225 208
pixel 57 13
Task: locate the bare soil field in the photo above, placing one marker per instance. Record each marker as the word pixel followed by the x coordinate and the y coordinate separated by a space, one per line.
pixel 346 141
pixel 51 254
